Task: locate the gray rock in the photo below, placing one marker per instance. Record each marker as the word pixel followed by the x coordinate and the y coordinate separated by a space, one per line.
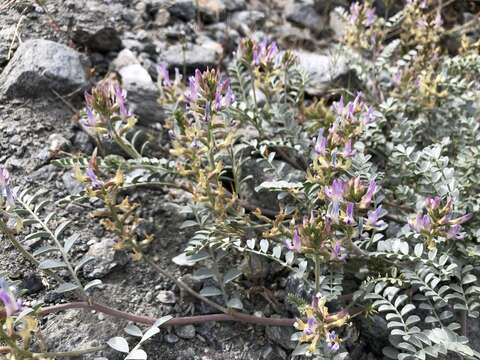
pixel 72 185
pixel 142 93
pixel 281 335
pixel 105 260
pixel 98 38
pixel 193 56
pixel 303 14
pixel 183 9
pixel 171 338
pixel 185 331
pixel 39 66
pixel 57 142
pixel 323 69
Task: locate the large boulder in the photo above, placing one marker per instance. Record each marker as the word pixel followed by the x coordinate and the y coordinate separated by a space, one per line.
pixel 323 69
pixel 40 66
pixel 142 93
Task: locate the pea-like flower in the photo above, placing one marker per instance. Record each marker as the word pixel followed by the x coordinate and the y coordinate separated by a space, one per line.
pixel 311 326
pixel 421 223
pixel 335 194
pixel 339 253
pixel 11 305
pixel 373 219
pixel 320 143
pixel 296 243
pixel 332 340
pixel 121 96
pixel 367 198
pixel 349 220
pixel 347 150
pixel 163 75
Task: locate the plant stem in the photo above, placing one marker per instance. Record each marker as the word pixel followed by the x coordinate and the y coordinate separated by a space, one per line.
pixel 232 316
pixel 317 273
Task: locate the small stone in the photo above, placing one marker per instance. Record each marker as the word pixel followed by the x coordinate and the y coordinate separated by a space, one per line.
pixel 185 331
pixel 183 9
pixel 73 186
pixel 106 259
pixel 57 142
pixel 166 297
pixel 39 66
pixel 171 338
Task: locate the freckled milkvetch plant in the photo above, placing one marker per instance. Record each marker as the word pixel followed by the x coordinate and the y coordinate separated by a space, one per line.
pixel 367 199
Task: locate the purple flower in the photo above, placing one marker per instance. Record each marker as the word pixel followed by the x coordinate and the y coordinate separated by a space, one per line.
pixel 5 189
pixel 320 143
pixel 368 116
pixel 338 252
pixel 335 194
pixel 432 203
pixel 163 74
pixel 349 220
pixel 296 243
pixel 338 106
pixel 193 85
pixel 272 51
pixel 354 11
pixel 454 232
pixel 332 340
pixel 461 219
pixel 311 326
pixel 367 198
pixel 90 173
pixel 121 95
pixel 373 219
pixel 347 150
pixel 421 223
pixel 217 105
pixel 229 97
pixel 11 305
pixel 369 17
pixel 171 134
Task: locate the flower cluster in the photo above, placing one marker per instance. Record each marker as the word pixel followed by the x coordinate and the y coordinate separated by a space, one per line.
pixel 438 223
pixel 106 111
pixel 11 305
pixel 320 325
pixel 208 93
pixel 259 54
pixel 365 30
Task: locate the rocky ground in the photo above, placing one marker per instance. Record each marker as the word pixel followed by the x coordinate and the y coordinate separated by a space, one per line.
pixel 48 56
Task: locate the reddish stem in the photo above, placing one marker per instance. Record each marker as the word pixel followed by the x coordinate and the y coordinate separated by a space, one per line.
pixel 173 322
